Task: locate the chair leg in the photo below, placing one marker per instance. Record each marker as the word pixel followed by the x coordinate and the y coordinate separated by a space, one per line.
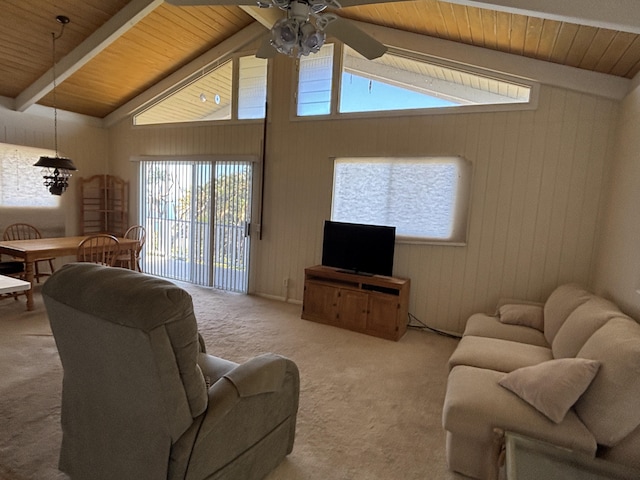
pixel 51 265
pixel 37 274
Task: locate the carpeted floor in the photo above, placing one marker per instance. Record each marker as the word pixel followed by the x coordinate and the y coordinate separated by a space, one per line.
pixel 370 409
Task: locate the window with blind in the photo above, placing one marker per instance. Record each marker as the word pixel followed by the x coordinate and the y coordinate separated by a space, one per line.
pixel 21 184
pixel 314 82
pixel 197 215
pixel 425 198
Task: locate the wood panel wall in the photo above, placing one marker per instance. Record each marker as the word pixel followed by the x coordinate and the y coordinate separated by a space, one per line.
pixel 536 202
pixel 618 271
pixel 80 138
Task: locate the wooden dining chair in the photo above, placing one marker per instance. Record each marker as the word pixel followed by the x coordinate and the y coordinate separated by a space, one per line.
pixel 101 248
pixel 25 231
pixel 135 232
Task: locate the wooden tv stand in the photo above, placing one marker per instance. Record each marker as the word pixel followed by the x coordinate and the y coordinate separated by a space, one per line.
pixel 375 305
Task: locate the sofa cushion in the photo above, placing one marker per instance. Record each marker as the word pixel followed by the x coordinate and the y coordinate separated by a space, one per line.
pixel 610 407
pixel 581 324
pixel 626 452
pixel 475 404
pixel 518 314
pixel 482 325
pixel 552 387
pixel 562 301
pixel 497 354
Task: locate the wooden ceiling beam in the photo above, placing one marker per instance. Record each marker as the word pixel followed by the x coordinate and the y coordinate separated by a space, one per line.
pixel 108 33
pixel 622 15
pixel 265 16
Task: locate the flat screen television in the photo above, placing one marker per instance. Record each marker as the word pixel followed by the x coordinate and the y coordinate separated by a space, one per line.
pixel 359 248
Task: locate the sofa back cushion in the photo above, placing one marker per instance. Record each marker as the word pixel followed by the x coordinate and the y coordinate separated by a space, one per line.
pixel 581 324
pixel 564 300
pixel 609 407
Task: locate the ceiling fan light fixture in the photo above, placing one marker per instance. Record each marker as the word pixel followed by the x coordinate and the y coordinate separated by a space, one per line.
pixel 284 35
pixel 311 39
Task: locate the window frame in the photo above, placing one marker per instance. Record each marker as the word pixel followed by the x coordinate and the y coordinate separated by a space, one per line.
pixel 31 176
pixel 338 60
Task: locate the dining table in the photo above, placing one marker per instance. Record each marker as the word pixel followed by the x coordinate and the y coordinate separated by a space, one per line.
pixel 30 251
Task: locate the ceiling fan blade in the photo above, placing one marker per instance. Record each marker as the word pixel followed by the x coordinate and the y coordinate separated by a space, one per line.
pixel 210 3
pixel 348 33
pixel 266 50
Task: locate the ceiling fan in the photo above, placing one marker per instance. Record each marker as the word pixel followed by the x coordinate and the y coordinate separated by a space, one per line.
pixel 304 27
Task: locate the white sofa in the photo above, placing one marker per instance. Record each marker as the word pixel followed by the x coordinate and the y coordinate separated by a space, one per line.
pixel 566 372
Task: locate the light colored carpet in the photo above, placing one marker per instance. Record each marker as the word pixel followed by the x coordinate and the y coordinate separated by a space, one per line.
pixel 370 409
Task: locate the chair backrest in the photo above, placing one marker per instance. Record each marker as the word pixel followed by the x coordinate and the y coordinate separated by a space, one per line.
pixel 128 343
pixel 102 249
pixel 21 231
pixel 137 232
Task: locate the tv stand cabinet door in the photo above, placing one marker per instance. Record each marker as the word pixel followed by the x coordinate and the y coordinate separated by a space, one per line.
pixel 352 309
pixel 320 303
pixel 382 319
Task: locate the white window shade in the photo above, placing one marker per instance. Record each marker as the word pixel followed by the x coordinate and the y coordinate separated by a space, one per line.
pixel 21 184
pixel 426 199
pixel 314 82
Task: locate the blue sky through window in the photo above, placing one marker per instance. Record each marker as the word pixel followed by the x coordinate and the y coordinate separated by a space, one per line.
pixel 360 94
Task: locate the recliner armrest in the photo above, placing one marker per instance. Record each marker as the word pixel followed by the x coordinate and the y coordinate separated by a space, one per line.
pixel 262 374
pixel 214 368
pixel 255 401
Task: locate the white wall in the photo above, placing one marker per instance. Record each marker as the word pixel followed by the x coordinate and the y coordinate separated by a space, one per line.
pixel 536 201
pixel 618 272
pixel 80 138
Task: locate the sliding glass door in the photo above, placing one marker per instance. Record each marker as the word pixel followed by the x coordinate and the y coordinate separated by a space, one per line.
pixel 197 215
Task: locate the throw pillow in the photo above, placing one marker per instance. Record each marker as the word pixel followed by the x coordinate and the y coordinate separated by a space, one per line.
pixel 519 314
pixel 554 386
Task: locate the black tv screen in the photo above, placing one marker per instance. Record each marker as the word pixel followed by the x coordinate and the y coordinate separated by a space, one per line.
pixel 359 248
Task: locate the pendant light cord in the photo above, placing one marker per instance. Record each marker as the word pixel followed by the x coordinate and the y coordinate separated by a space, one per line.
pixel 55 110
pixel 53 55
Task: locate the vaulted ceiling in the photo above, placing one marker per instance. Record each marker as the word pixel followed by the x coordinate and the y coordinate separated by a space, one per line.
pixel 114 50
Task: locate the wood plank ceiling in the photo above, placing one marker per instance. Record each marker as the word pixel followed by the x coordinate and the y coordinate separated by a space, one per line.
pixel 169 37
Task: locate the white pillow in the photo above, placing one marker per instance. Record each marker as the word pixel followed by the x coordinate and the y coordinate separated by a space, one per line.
pixel 554 386
pixel 520 314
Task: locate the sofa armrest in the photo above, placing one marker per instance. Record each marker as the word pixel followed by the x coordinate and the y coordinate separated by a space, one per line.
pixel 515 301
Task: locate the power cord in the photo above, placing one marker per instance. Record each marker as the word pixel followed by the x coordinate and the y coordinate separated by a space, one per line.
pixel 423 326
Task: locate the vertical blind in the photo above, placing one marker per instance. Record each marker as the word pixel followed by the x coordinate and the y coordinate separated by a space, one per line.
pixel 175 211
pixel 197 214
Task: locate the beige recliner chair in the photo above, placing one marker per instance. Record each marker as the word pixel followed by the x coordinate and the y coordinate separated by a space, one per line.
pixel 140 398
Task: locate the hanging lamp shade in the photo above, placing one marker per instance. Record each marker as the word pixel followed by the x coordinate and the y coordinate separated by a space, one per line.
pixel 56 173
pixel 55 162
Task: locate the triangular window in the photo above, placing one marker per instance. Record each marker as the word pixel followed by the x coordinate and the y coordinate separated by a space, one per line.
pixel 208 96
pixel 398 81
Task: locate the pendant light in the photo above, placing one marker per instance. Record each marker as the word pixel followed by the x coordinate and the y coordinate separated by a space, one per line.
pixel 56 171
